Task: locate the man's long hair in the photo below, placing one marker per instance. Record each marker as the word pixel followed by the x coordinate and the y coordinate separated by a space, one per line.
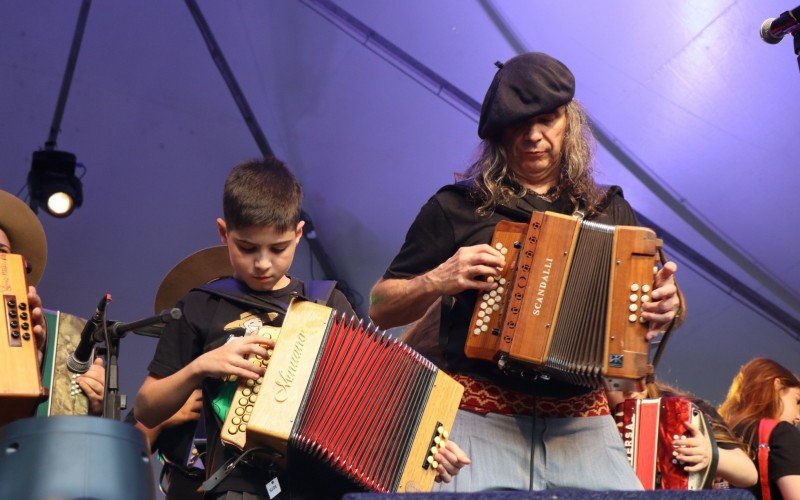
pixel 753 396
pixel 497 183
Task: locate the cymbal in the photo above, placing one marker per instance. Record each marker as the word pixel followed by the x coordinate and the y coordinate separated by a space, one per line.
pixel 195 270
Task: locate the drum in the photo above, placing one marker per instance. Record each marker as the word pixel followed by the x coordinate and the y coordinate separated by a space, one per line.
pixel 74 457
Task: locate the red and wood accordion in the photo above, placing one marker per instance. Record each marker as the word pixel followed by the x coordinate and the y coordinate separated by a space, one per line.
pixel 20 381
pixel 648 428
pixel 568 301
pixel 341 394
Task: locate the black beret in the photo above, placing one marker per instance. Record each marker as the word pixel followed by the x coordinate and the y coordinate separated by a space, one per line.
pixel 525 86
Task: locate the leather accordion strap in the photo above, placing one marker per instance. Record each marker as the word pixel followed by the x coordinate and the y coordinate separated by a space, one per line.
pixel 482 397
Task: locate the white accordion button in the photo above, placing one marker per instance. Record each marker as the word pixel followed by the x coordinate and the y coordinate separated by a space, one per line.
pixel 498 245
pixel 504 250
pixel 632 318
pixel 645 288
pixel 500 289
pixel 633 297
pixel 476 331
pixel 635 287
pixel 502 281
pixel 645 298
pixel 633 307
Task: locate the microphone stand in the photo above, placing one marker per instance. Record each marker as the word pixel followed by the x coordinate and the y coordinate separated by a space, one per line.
pixel 111 333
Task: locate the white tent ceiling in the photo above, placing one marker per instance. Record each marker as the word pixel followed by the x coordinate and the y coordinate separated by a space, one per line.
pixel 686 89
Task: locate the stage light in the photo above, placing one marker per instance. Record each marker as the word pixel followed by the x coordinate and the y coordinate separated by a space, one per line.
pixel 52 183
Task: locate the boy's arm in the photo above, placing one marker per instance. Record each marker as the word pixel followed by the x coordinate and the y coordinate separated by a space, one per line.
pixel 160 397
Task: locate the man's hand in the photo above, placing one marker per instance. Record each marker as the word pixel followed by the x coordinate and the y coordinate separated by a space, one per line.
pixel 93 384
pixel 469 268
pixel 664 301
pixel 37 320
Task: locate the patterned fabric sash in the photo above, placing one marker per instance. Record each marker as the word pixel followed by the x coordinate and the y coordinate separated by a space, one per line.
pixel 482 397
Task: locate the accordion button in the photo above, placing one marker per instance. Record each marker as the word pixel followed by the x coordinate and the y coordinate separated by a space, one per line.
pixel 645 298
pixel 246 392
pixel 242 401
pixel 498 245
pixel 484 328
pixel 253 398
pixel 248 409
pixel 479 322
pixel 500 289
pixel 26 336
pixel 642 320
pixel 485 296
pixel 236 421
pixel 504 250
pixel 481 313
pixel 633 307
pixel 633 297
pixel 632 318
pixel 233 429
pixel 12 303
pixel 256 389
pixel 476 331
pixel 493 294
pixel 23 315
pixel 246 418
pixel 13 314
pixel 490 302
pixel 22 306
pixel 645 288
pixel 250 383
pixel 502 281
pixel 635 287
pixel 239 411
pixel 434 450
pixel 260 379
pixel 495 307
pixel 490 279
pixel 243 427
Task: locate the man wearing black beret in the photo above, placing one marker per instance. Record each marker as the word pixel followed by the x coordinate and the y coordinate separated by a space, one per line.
pixel 536 155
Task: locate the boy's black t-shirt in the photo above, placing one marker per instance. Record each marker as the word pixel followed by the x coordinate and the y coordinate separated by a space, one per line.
pixel 205 325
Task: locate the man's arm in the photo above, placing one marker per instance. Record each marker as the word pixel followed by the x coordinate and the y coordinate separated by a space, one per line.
pixel 396 302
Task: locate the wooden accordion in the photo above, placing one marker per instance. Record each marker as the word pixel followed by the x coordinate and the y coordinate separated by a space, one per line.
pixel 568 301
pixel 20 381
pixel 345 396
pixel 648 428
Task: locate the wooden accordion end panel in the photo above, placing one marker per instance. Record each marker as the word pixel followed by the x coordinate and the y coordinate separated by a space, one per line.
pixel 352 400
pixel 20 381
pixel 648 428
pixel 571 301
pixel 63 336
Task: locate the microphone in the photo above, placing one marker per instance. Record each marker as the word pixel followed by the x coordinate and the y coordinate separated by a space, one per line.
pixel 80 360
pixel 117 329
pixel 774 29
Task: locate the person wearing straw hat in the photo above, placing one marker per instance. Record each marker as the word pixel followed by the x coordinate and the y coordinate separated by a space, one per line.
pixel 22 233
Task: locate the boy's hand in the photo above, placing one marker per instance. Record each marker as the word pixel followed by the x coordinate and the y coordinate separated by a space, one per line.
pixel 451 459
pixel 230 359
pixel 189 412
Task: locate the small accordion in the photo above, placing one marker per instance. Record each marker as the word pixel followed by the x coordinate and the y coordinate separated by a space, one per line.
pixel 20 381
pixel 348 398
pixel 568 301
pixel 649 427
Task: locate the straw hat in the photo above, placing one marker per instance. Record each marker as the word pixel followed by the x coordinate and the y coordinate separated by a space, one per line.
pixel 25 233
pixel 195 270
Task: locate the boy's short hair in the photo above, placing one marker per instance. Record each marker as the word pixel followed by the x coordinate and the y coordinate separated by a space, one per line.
pixel 262 193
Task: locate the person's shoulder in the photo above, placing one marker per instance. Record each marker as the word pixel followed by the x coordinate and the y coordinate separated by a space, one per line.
pixel 785 430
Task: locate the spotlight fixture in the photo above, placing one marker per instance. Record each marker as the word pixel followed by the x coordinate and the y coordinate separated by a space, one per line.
pixel 52 183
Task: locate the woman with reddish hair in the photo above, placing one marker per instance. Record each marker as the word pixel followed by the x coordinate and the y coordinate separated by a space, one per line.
pixel 763 393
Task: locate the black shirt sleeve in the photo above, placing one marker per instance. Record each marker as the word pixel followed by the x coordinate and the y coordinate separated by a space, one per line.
pixel 784 451
pixel 178 345
pixel 429 242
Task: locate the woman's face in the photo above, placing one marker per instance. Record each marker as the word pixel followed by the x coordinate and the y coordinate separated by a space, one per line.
pixel 790 404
